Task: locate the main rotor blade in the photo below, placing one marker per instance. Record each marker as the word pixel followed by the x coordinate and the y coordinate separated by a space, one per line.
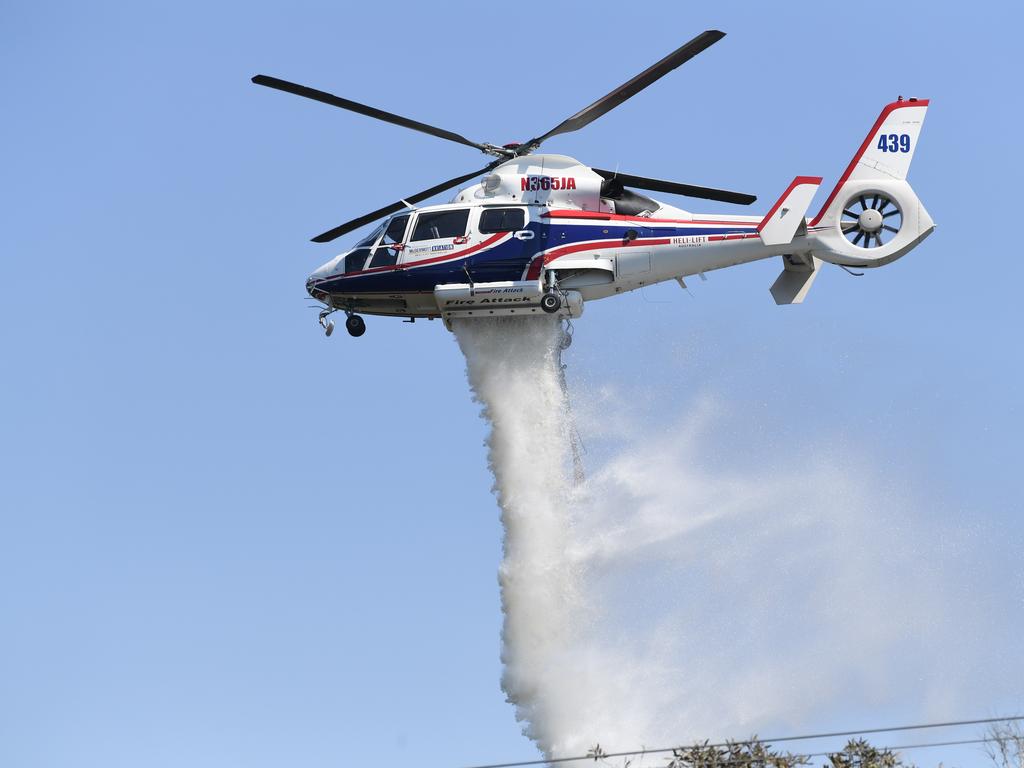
pixel 607 103
pixel 347 227
pixel 677 188
pixel 354 106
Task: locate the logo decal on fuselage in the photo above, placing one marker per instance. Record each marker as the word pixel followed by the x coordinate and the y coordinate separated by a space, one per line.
pixel 533 183
pixel 495 300
pixel 690 241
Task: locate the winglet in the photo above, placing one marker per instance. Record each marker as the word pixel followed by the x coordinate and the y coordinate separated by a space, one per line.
pixel 781 223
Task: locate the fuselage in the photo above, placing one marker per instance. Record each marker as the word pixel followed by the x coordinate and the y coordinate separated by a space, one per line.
pixel 542 212
pixel 597 254
pixel 541 222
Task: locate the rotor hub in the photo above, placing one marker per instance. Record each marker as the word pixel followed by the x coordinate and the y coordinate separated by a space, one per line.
pixel 870 220
pixel 875 224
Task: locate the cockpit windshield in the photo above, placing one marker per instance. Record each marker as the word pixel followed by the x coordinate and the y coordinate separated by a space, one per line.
pixel 386 252
pixel 371 238
pixel 356 260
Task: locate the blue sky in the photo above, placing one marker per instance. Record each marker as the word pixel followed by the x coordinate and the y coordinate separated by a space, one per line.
pixel 227 540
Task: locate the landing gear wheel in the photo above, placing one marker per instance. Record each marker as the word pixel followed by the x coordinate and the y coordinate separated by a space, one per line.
pixel 355 325
pixel 550 302
pixel 565 342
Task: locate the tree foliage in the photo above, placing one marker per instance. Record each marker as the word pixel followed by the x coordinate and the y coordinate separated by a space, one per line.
pixel 1005 746
pixel 858 753
pixel 735 754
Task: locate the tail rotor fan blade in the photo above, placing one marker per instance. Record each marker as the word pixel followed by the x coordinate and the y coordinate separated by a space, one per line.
pixel 854 230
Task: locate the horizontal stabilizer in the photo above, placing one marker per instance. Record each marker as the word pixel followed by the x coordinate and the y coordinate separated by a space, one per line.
pixel 796 279
pixel 786 216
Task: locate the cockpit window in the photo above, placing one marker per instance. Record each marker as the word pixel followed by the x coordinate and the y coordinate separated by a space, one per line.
pixel 356 260
pixel 396 229
pixel 383 255
pixel 502 220
pixel 371 238
pixel 441 224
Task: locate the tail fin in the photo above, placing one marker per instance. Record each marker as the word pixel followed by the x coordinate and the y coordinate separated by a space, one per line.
pixel 876 179
pixel 888 149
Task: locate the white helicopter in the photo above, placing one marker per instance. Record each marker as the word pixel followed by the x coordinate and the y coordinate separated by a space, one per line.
pixel 545 233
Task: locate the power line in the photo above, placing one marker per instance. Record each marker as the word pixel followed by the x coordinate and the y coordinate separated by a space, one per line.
pixel 906 747
pixel 862 731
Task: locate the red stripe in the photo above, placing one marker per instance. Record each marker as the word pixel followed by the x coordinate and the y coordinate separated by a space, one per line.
pixel 889 108
pixel 452 255
pixel 570 214
pixel 533 272
pixel 815 180
pixel 565 250
pixel 744 236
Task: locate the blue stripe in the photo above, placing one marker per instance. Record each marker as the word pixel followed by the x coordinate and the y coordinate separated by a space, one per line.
pixel 507 260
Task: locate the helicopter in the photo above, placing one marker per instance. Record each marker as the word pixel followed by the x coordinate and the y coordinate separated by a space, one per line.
pixel 545 233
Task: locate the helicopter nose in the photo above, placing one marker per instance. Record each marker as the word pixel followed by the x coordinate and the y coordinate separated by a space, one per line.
pixel 312 290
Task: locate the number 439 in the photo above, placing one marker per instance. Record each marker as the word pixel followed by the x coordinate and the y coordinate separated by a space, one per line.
pixel 894 142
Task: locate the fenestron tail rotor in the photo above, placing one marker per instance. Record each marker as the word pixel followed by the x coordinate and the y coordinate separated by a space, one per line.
pixel 871 220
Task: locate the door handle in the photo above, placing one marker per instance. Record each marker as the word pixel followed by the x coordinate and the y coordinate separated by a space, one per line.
pixel 524 234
